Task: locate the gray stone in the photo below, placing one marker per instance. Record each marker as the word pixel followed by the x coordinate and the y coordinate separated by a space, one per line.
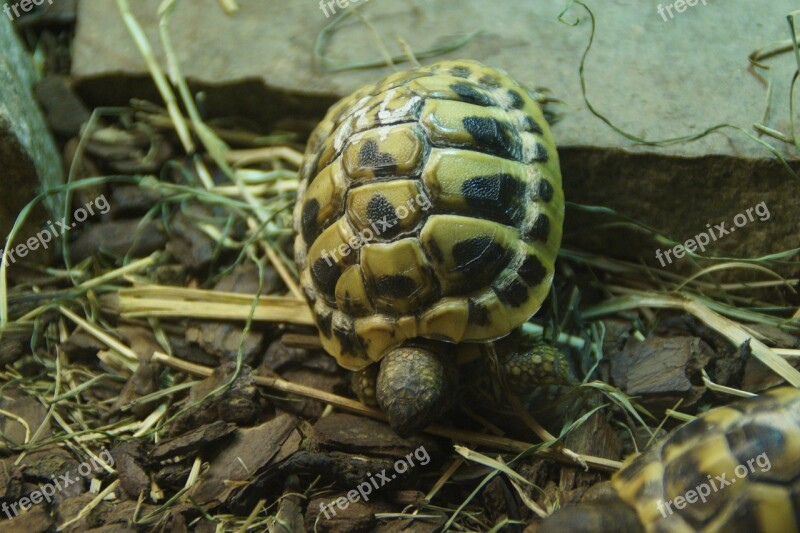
pixel 29 159
pixel 654 78
pixel 64 111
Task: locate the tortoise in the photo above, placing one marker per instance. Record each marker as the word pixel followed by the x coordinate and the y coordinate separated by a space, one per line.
pixel 428 219
pixel 734 468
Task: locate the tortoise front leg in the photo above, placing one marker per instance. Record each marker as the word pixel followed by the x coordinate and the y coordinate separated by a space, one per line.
pixel 522 363
pixel 540 364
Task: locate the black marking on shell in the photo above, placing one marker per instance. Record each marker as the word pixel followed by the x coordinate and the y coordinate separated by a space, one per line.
pixel 381 213
pixel 532 126
pixel 539 230
pixel 381 163
pixel 346 335
pixel 683 474
pixel 396 286
pixel 544 190
pixel 752 439
pixel 461 72
pixel 633 470
pixel 344 110
pixel 539 154
pixel 489 81
pixel 471 95
pixel 688 432
pixel 314 169
pixel 479 258
pixel 324 323
pixel 516 99
pixel 513 293
pixel 766 405
pixel 650 486
pixel 497 196
pixel 494 137
pixel 745 518
pixel 532 271
pixel 309 221
pixel 351 306
pixel 326 275
pixel 436 251
pixel 478 313
pixel 416 108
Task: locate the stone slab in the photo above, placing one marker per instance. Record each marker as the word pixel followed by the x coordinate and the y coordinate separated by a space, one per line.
pixel 654 78
pixel 651 77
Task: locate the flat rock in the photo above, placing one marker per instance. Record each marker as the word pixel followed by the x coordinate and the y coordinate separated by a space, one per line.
pixel 193 440
pixel 65 112
pixel 130 461
pixel 36 519
pixel 250 450
pixel 652 77
pixel 662 367
pixel 25 408
pixel 359 434
pixel 358 516
pixel 28 155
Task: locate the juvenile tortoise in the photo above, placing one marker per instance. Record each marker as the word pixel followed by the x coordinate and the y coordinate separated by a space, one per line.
pixel 734 468
pixel 429 216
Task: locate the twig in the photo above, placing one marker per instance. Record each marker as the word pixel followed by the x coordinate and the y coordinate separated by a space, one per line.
pixel 156 300
pixel 103 337
pixel 253 155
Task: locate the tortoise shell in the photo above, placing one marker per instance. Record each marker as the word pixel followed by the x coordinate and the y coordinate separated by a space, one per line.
pixel 429 206
pixel 746 456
